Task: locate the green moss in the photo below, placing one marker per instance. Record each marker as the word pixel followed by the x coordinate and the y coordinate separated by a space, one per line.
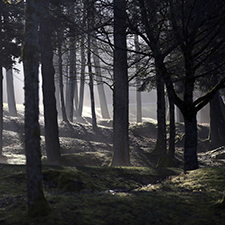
pixel 86 158
pixel 119 196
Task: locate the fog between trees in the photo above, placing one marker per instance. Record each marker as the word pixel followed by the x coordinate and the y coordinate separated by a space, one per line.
pixel 180 48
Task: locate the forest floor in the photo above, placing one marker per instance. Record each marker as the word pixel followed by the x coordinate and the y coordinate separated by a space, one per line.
pixel 84 190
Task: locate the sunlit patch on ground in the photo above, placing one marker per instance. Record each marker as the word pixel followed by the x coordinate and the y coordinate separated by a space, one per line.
pixel 11 158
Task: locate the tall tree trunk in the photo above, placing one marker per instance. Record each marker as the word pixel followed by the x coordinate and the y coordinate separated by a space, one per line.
pixel 214 136
pixel 82 78
pixel 57 89
pixel 172 129
pixel 217 123
pixel 72 79
pixel 161 117
pixel 101 91
pixel 10 93
pixel 179 87
pixel 63 108
pixel 91 87
pixel 138 83
pixel 90 17
pixel 37 204
pixel 121 155
pixel 190 115
pixel 1 81
pixel 48 87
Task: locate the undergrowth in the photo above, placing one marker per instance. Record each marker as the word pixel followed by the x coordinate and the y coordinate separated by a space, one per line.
pixel 105 195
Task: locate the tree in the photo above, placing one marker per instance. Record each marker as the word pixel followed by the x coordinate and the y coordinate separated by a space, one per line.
pixel 37 204
pixel 217 123
pixel 193 34
pixel 1 78
pixel 101 91
pixel 138 81
pixel 72 92
pixel 120 94
pixel 48 87
pixel 91 85
pixel 82 76
pixel 10 93
pixel 62 101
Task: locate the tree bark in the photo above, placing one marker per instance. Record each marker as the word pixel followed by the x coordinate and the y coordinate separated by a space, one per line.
pixel 57 89
pixel 72 85
pixel 10 93
pixel 37 204
pixel 160 147
pixel 121 155
pixel 48 87
pixel 63 108
pixel 172 129
pixel 1 81
pixel 217 123
pixel 138 83
pixel 91 85
pixel 190 143
pixel 100 87
pixel 82 77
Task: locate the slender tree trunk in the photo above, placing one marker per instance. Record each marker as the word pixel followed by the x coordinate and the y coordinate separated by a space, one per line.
pixel 10 93
pixel 179 90
pixel 48 87
pixel 172 129
pixel 71 80
pixel 82 78
pixel 91 87
pixel 138 83
pixel 37 204
pixel 1 81
pixel 121 155
pixel 63 108
pixel 100 86
pixel 57 89
pixel 213 131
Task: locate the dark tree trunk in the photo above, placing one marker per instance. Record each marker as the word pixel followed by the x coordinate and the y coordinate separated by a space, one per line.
pixel 10 93
pixel 101 91
pixel 82 78
pixel 48 87
pixel 63 108
pixel 172 129
pixel 217 123
pixel 91 87
pixel 1 81
pixel 90 17
pixel 138 82
pixel 161 117
pixel 190 142
pixel 71 80
pixel 121 155
pixel 37 204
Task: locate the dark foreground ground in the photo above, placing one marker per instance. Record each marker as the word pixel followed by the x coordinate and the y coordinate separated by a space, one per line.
pixel 84 190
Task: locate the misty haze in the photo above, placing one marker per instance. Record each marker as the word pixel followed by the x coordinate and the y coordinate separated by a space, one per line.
pixel 112 112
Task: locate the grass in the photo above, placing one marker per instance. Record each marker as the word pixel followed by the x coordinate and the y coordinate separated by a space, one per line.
pixel 106 195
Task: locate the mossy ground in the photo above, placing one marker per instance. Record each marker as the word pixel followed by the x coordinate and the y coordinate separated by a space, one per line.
pixel 104 195
pixel 84 190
